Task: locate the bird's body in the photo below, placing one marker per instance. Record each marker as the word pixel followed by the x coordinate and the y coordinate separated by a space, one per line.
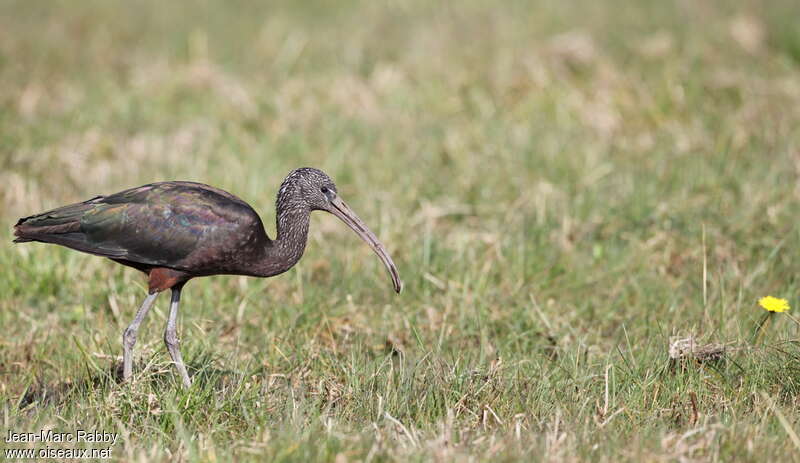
pixel 175 231
pixel 185 228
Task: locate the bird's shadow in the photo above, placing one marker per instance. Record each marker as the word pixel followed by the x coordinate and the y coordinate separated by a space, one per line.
pixel 205 376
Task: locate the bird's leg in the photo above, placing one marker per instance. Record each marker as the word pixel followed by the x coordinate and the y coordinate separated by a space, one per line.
pixel 129 336
pixel 171 337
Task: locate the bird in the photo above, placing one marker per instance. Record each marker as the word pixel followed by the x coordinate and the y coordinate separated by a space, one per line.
pixel 175 231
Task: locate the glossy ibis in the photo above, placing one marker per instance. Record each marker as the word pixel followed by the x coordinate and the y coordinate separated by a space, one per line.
pixel 175 231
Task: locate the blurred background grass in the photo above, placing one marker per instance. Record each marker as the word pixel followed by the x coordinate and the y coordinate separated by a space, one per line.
pixel 552 179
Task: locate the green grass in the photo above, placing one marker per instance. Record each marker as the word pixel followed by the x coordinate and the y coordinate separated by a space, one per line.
pixel 553 179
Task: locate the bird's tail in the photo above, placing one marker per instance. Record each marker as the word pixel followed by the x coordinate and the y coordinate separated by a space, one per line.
pixel 60 226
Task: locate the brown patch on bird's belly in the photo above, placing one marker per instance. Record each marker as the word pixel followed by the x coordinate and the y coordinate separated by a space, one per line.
pixel 162 278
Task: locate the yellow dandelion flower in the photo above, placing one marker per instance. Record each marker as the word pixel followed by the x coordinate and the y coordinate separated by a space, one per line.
pixel 774 304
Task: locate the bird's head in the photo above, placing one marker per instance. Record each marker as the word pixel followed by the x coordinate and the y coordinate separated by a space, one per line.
pixel 313 189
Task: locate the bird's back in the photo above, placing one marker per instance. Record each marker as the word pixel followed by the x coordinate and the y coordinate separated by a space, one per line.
pixel 183 225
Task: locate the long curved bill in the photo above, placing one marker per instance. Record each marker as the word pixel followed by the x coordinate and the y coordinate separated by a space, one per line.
pixel 342 210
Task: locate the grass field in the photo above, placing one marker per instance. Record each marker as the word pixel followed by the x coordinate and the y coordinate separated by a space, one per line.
pixel 565 186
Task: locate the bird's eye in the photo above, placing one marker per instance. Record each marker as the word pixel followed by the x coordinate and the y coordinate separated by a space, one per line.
pixel 324 190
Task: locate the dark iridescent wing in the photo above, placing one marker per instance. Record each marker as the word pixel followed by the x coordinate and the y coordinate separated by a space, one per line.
pixel 160 224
